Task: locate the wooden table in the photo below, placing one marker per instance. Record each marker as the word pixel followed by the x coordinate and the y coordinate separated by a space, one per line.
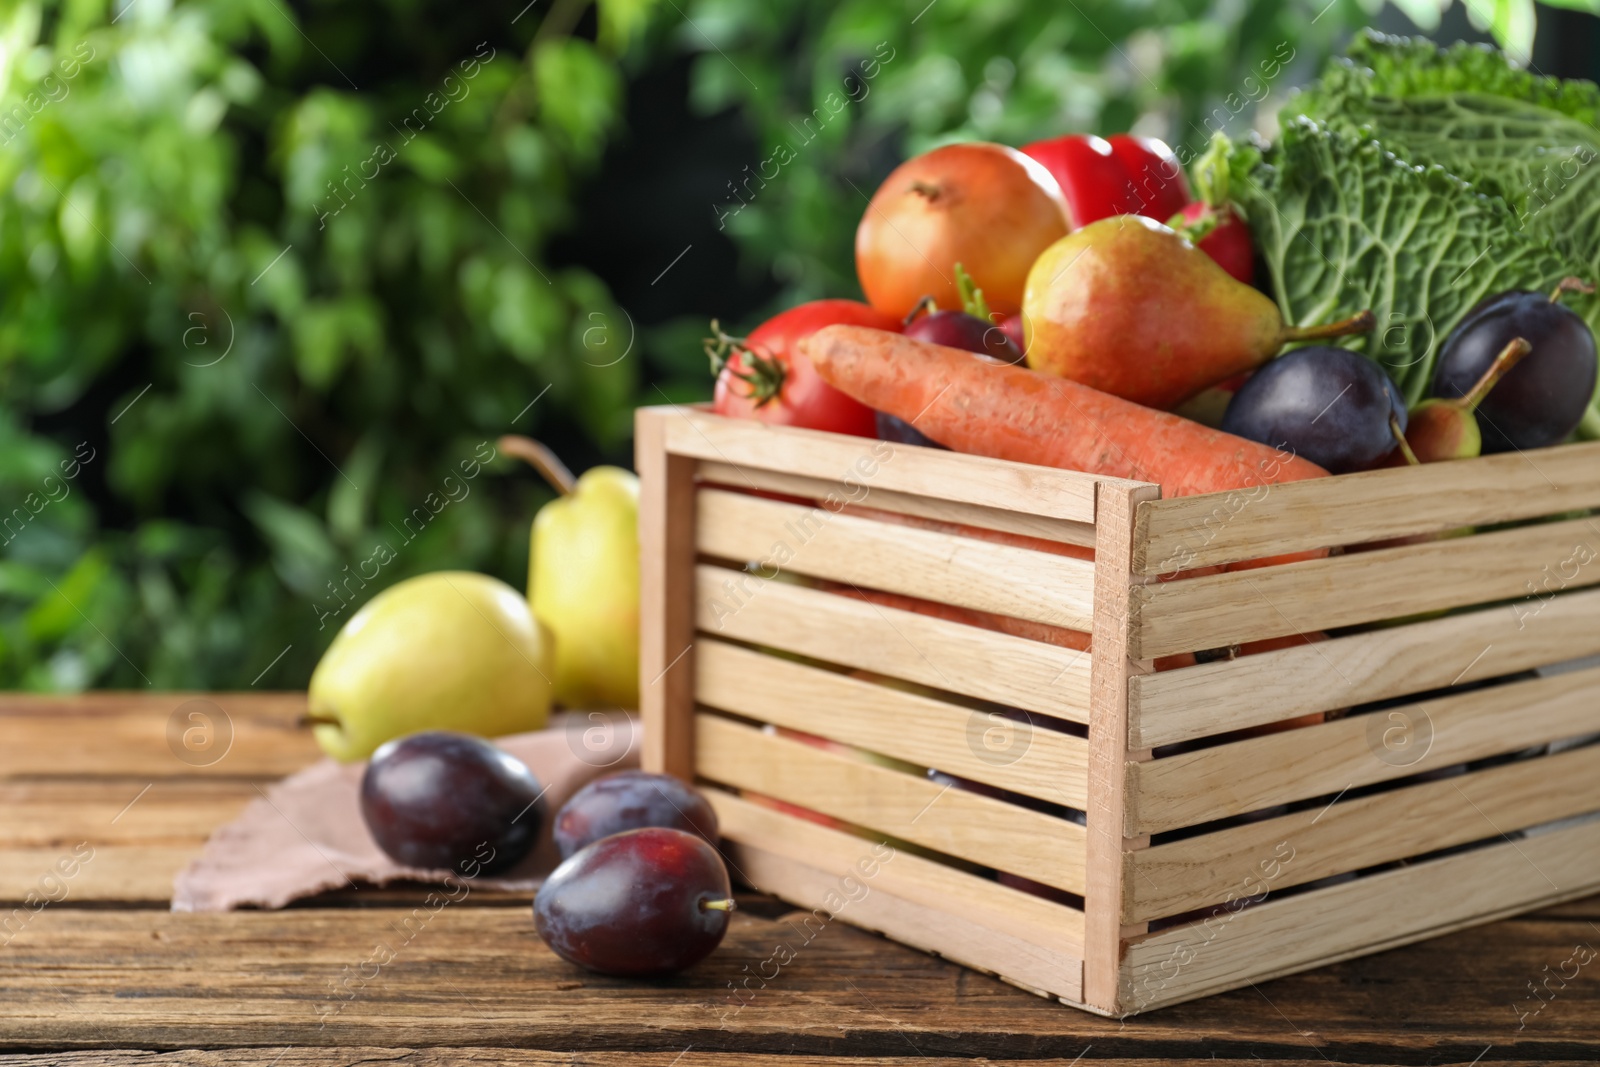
pixel 105 974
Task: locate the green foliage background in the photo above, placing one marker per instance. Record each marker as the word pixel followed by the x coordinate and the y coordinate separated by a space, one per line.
pixel 267 393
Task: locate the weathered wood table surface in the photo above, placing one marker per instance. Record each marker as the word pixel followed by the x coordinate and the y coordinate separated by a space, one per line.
pixel 97 970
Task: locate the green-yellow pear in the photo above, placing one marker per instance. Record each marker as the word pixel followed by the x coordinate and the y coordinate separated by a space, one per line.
pixel 451 650
pixel 583 578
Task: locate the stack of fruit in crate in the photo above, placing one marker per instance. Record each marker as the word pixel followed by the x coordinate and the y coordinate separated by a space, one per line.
pixel 1429 304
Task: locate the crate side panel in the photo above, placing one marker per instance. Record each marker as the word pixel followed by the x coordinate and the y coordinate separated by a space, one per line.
pixel 1001 908
pixel 964 571
pixel 936 652
pixel 1245 776
pixel 1367 915
pixel 995 483
pixel 858 492
pixel 1039 763
pixel 1257 522
pixel 956 822
pixel 1226 609
pixel 1254 690
pixel 953 936
pixel 1354 834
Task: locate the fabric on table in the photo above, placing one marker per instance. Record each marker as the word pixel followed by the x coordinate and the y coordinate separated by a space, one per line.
pixel 305 835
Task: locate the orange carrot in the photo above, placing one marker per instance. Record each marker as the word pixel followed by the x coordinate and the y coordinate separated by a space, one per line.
pixel 1007 412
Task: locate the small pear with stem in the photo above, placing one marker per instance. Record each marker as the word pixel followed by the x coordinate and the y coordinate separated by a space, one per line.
pixel 1443 428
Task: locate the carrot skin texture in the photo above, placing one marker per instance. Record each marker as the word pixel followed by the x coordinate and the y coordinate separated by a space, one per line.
pixel 1011 413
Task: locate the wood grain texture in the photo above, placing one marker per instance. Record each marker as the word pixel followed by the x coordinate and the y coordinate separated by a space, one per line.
pixel 923 881
pixel 127 736
pixel 666 592
pixel 973 744
pixel 1225 609
pixel 1379 911
pixel 1109 751
pixel 525 1057
pixel 936 566
pixel 953 934
pixel 902 644
pixel 1214 698
pixel 953 821
pixel 1354 834
pixel 994 483
pixel 859 491
pixel 478 977
pixel 1245 776
pixel 1351 509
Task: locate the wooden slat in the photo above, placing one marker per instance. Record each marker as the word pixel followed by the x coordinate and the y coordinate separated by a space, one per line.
pixel 858 491
pixel 1109 750
pixel 871 550
pixel 901 559
pixel 126 736
pixel 1368 914
pixel 1200 531
pixel 1054 928
pixel 902 644
pixel 1226 609
pixel 666 592
pixel 1215 698
pixel 1224 780
pixel 948 820
pixel 952 934
pixel 993 483
pixel 1038 763
pixel 124 874
pixel 1351 835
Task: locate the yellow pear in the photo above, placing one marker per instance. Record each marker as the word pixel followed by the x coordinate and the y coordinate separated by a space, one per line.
pixel 451 650
pixel 583 578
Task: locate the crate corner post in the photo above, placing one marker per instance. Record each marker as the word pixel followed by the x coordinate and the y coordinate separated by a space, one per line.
pixel 666 595
pixel 1112 663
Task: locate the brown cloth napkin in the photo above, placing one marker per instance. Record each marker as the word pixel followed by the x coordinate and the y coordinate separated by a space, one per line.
pixel 305 834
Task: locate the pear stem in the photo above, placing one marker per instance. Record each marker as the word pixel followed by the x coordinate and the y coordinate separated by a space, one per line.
pixel 1360 322
pixel 541 459
pixel 1570 284
pixel 718 905
pixel 318 720
pixel 1400 439
pixel 1509 357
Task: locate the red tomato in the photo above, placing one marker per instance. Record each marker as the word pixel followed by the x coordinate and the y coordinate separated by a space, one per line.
pixel 1125 175
pixel 1226 238
pixel 768 380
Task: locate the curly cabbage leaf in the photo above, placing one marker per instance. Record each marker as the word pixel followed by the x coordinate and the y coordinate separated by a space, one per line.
pixel 1530 139
pixel 1344 224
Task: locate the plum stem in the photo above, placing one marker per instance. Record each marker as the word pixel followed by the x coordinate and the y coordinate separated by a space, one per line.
pixel 1400 439
pixel 718 905
pixel 1509 357
pixel 1570 284
pixel 925 306
pixel 541 459
pixel 1360 322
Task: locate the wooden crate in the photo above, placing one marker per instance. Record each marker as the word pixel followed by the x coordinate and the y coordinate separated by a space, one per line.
pixel 1161 827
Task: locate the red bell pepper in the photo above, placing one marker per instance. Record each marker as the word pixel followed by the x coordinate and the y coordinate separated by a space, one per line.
pixel 1121 175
